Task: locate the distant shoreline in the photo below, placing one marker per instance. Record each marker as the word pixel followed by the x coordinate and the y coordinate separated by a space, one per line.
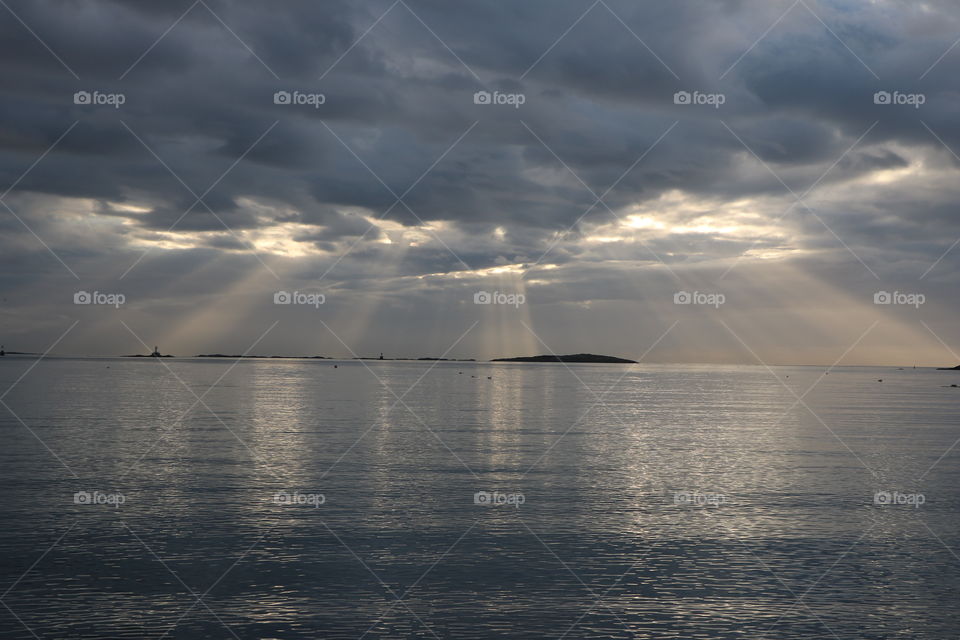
pixel 544 359
pixel 580 358
pixel 237 357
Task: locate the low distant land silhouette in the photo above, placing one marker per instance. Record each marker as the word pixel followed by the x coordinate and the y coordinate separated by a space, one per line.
pixel 575 358
pixel 572 358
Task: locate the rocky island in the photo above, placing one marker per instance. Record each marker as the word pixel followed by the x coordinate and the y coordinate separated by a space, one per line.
pixel 577 358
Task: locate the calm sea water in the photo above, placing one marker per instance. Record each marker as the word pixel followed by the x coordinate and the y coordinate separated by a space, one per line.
pixel 299 500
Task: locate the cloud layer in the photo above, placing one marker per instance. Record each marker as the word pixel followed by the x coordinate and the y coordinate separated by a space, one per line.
pixel 796 157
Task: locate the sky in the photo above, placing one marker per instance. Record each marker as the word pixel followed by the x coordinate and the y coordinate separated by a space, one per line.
pixel 757 182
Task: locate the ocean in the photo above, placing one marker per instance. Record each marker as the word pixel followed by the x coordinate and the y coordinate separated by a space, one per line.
pixel 209 498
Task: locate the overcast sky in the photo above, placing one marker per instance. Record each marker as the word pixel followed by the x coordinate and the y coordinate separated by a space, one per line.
pixel 591 163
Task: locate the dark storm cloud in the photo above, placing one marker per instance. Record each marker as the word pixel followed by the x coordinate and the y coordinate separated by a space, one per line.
pixel 598 99
pixel 502 184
